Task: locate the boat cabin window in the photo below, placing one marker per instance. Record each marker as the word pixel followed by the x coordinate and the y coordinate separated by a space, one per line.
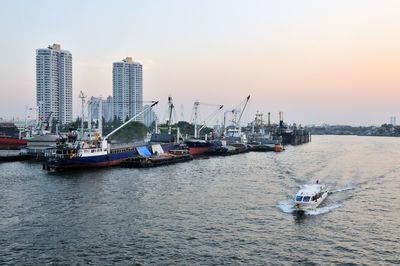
pixel 299 198
pixel 306 198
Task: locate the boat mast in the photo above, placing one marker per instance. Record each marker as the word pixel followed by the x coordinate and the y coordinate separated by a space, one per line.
pixel 129 120
pixel 82 96
pixel 224 125
pixel 196 108
pixel 100 118
pixel 240 117
pixel 156 125
pixel 89 107
pixel 170 108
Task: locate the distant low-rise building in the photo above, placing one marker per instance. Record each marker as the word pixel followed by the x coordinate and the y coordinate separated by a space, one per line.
pixel 393 120
pixel 107 108
pixel 149 116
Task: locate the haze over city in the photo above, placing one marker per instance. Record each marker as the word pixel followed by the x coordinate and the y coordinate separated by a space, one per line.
pixel 333 62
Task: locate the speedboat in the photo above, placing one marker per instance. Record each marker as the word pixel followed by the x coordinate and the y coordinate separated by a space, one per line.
pixel 278 147
pixel 310 196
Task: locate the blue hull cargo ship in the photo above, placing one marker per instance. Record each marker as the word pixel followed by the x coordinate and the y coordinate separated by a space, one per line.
pixel 92 151
pixel 93 156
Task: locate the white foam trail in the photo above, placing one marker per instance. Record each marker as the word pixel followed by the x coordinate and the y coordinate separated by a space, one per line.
pixel 341 190
pixel 322 210
pixel 287 206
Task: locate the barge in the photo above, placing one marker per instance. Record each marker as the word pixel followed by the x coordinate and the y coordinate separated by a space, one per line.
pixel 143 161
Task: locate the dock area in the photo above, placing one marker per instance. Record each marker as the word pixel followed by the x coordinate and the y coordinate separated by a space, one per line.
pixel 12 155
pixel 155 160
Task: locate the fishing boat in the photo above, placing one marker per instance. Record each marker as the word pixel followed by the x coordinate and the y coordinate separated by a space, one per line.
pixel 310 196
pixel 89 149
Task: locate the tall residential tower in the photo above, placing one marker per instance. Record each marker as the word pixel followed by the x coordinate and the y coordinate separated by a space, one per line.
pixel 127 89
pixel 54 83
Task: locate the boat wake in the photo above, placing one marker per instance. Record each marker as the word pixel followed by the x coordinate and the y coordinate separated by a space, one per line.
pixel 341 190
pixel 287 206
pixel 322 210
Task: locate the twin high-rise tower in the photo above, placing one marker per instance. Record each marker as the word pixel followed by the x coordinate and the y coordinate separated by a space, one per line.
pixel 54 86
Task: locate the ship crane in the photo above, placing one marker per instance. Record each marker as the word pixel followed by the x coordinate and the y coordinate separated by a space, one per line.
pixel 196 116
pixel 211 117
pixel 170 109
pixel 45 125
pixel 130 120
pixel 235 112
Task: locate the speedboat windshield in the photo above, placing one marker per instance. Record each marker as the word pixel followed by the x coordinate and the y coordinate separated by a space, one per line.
pixel 299 198
pixel 306 198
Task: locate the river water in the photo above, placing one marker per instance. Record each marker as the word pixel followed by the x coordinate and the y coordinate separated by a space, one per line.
pixel 226 210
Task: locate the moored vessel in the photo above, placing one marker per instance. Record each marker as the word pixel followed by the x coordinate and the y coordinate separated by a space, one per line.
pixel 198 146
pixel 9 137
pixel 91 150
pixel 156 158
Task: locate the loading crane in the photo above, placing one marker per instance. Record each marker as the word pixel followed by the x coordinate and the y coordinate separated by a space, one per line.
pixel 196 115
pixel 130 120
pixel 236 111
pixel 170 109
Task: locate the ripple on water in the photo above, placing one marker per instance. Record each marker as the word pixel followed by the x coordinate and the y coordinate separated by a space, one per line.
pixel 233 210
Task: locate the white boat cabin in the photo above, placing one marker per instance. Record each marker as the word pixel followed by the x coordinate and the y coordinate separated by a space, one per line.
pixel 310 196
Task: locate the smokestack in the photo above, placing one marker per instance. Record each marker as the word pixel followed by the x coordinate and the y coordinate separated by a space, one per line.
pixel 269 119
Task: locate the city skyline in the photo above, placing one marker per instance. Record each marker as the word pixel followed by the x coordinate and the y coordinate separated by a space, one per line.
pixel 329 62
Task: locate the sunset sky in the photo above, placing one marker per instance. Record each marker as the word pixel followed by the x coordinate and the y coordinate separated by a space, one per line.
pixel 335 62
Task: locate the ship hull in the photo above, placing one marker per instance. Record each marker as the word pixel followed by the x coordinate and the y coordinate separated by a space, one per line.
pixel 12 144
pixel 200 147
pixel 198 150
pixel 112 159
pixel 89 161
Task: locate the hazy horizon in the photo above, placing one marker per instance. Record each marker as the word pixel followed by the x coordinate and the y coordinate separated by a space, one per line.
pixel 333 62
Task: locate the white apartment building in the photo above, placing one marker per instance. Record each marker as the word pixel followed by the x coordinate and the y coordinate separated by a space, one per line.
pixel 54 83
pixel 127 89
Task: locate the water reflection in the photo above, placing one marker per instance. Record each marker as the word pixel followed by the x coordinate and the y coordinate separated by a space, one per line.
pixel 299 216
